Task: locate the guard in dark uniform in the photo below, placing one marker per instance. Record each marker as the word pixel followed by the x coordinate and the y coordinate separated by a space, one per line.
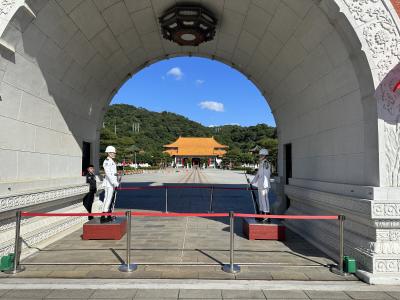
pixel 89 197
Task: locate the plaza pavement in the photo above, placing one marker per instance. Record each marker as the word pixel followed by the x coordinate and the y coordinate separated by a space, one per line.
pixel 115 291
pixel 187 249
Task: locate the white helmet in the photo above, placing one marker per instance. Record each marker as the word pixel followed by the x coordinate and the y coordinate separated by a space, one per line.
pixel 110 149
pixel 263 152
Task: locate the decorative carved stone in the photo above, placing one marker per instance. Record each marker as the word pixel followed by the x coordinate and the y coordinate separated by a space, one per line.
pixel 388 235
pixel 6 6
pixel 388 247
pixel 379 31
pixel 387 223
pixel 46 233
pixel 387 265
pixel 37 229
pixel 387 210
pixel 13 202
pixel 389 112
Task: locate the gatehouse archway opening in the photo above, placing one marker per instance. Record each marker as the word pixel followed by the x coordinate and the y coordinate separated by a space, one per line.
pixel 317 63
pixel 190 112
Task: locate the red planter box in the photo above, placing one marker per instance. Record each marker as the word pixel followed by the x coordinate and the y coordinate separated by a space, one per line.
pixel 94 230
pixel 263 231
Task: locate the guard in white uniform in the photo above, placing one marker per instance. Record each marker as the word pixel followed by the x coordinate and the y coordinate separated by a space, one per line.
pixel 262 182
pixel 110 181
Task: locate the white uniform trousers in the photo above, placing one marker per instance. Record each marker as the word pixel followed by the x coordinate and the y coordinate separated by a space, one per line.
pixel 263 202
pixel 108 197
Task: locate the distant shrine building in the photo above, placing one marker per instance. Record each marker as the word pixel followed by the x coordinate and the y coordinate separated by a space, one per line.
pixel 196 151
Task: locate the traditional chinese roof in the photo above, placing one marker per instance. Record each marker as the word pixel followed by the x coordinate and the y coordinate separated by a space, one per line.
pixel 255 149
pixel 194 146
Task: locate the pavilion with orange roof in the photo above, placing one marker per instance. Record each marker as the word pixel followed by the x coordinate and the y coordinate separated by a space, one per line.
pixel 192 149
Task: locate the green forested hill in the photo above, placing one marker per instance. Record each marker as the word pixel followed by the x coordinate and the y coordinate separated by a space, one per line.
pixel 158 129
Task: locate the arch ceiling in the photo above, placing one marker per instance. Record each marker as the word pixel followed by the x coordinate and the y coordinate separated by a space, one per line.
pixel 304 56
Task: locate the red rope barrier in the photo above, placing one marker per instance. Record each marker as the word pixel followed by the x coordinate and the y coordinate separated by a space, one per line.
pixel 150 214
pixel 144 214
pixel 137 188
pixel 293 217
pixel 33 214
pixel 396 87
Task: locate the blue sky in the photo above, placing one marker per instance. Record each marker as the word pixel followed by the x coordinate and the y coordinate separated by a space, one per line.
pixel 200 89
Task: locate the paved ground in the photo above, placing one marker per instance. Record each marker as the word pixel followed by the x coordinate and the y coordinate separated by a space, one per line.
pixel 186 249
pixel 189 247
pixel 190 289
pixel 192 294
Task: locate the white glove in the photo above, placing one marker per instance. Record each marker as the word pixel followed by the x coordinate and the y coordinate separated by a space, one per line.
pixel 117 185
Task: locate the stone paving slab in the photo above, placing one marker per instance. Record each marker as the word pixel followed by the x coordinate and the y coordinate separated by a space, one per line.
pixel 70 294
pixel 191 294
pixel 327 295
pixel 369 295
pixel 200 294
pixel 395 295
pixel 159 293
pixel 285 295
pixel 26 294
pixel 2 292
pixel 242 294
pixel 113 294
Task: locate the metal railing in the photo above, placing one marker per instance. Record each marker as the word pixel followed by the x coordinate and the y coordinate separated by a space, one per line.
pixel 211 188
pixel 127 266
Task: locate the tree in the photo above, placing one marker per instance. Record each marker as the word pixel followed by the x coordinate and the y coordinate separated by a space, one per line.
pixel 158 129
pixel 272 146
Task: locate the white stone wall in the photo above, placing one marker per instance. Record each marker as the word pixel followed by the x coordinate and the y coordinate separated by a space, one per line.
pixel 49 102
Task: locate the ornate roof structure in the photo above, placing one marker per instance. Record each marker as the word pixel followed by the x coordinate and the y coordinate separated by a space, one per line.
pixel 195 146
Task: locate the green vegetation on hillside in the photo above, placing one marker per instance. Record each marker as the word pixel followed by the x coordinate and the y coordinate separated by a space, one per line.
pixel 158 129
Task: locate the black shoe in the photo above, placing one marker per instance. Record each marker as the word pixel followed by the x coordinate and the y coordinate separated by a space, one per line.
pixel 103 219
pixel 109 219
pixel 266 220
pixel 90 218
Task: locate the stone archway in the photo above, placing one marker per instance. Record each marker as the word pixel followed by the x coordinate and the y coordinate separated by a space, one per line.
pixel 317 63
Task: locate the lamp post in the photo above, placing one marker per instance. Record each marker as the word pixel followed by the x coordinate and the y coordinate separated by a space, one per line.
pixel 135 160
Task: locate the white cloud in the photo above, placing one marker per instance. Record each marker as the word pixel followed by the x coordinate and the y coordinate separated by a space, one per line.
pixel 175 72
pixel 212 105
pixel 199 82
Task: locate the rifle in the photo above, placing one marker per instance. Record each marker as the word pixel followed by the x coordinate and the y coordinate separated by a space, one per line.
pixel 116 192
pixel 253 196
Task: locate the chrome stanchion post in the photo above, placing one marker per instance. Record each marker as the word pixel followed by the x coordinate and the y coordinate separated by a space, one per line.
pixel 166 198
pixel 17 247
pixel 339 268
pixel 128 267
pixel 231 267
pixel 210 210
pixel 341 242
